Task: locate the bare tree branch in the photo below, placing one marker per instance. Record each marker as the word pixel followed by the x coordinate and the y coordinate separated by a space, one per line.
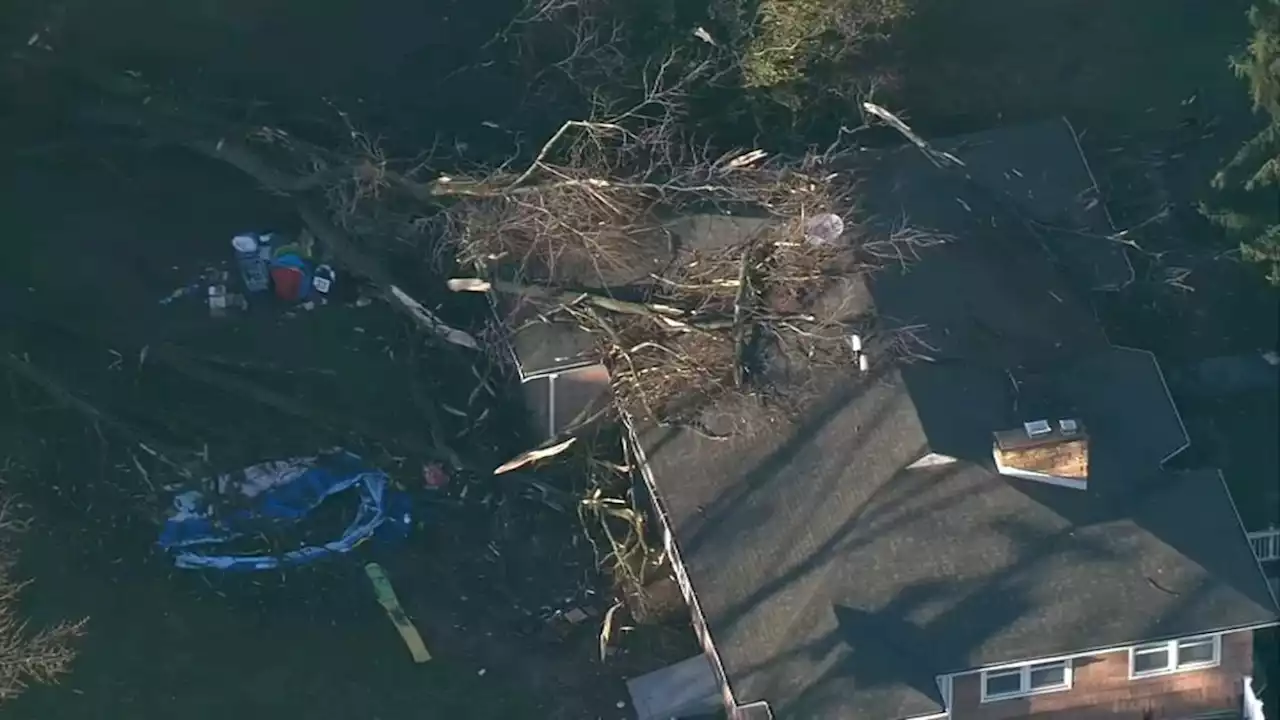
pixel 26 657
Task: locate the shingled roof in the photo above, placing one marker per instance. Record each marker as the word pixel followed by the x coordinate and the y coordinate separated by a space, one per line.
pixel 836 583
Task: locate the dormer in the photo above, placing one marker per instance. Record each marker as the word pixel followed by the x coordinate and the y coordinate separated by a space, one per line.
pixel 1054 452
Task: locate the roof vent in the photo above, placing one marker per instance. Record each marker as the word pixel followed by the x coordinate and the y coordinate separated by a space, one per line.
pixel 1057 454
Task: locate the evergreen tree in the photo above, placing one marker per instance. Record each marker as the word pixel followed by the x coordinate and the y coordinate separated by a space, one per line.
pixel 1250 182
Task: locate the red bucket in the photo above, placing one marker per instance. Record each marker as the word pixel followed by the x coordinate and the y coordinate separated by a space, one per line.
pixel 289 282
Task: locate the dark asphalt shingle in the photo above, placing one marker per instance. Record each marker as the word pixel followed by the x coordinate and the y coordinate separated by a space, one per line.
pixel 991 296
pixel 837 584
pixel 1040 166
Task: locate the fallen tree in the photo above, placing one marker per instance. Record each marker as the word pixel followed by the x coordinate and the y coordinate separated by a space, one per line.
pixel 587 233
pixel 337 194
pixel 594 234
pixel 594 204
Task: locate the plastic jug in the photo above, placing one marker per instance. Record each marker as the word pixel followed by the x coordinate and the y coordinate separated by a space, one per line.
pixel 253 268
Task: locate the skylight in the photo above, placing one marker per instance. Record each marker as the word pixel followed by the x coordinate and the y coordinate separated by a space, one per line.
pixel 1036 428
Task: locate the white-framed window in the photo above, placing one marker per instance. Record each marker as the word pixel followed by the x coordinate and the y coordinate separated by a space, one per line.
pixel 1023 680
pixel 1193 653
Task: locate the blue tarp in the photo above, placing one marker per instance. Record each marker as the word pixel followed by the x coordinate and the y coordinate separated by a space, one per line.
pixel 282 492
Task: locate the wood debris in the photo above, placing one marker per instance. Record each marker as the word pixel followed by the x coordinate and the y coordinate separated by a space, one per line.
pixel 534 455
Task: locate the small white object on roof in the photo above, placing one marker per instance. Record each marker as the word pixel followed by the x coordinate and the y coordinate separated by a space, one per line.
pixel 823 229
pixel 932 459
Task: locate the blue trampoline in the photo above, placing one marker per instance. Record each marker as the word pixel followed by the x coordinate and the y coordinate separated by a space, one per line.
pixel 204 524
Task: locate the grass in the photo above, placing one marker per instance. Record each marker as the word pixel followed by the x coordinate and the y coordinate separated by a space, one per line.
pixel 1118 63
pixel 98 238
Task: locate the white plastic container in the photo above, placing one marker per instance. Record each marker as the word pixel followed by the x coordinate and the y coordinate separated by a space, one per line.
pixel 253 268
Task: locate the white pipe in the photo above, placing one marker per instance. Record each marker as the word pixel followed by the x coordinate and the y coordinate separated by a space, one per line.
pixel 551 404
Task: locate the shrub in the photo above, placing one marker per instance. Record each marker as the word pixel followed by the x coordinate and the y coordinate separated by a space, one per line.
pixel 26 656
pixel 789 37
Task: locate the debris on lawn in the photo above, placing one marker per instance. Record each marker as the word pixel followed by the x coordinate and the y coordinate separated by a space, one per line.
pixel 221 525
pixel 387 598
pixel 434 476
pixel 266 261
pixel 252 257
pixel 181 292
pixel 323 278
pixel 416 413
pixel 606 629
pixel 209 278
pixel 222 302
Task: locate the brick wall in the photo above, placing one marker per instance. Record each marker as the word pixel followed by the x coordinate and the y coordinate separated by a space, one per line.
pixel 1101 688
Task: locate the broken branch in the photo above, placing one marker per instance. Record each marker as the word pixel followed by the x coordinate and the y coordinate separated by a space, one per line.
pixel 937 157
pixel 534 455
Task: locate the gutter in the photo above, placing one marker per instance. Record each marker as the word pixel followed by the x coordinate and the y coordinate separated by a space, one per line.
pixel 682 577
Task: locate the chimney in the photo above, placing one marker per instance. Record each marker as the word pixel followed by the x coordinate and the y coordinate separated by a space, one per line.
pixel 1053 452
